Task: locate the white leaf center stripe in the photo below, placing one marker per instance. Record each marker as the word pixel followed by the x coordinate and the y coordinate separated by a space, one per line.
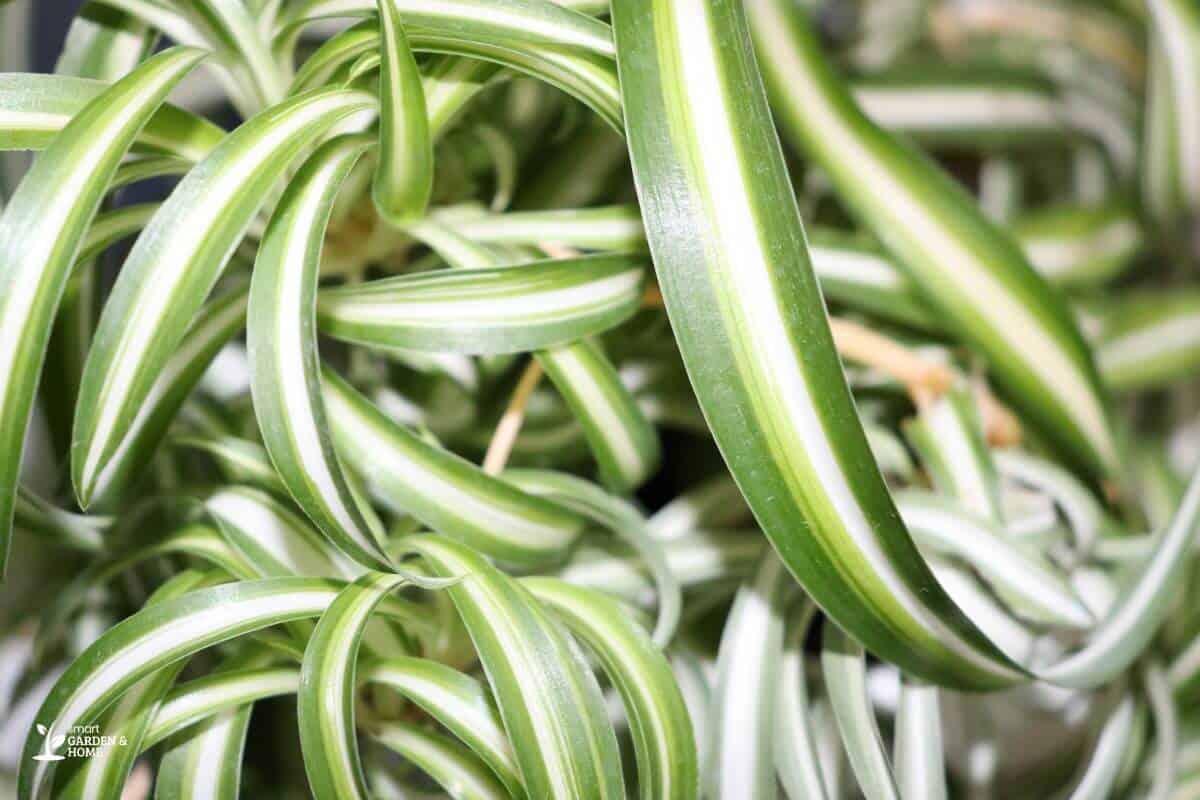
pixel 183 633
pixel 1023 341
pixel 910 108
pixel 153 300
pixel 515 310
pixel 806 449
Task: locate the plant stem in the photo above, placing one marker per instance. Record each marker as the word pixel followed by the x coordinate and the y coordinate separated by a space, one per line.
pixel 505 436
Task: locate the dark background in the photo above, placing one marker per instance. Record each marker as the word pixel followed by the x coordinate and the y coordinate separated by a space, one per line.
pixel 51 19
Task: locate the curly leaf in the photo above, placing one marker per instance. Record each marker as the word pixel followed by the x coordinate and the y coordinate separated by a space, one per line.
pixel 41 232
pixel 750 322
pixel 175 263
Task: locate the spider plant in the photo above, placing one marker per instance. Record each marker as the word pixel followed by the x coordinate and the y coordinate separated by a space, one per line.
pixel 586 399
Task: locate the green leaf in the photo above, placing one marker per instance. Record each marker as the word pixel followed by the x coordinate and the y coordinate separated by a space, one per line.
pixel 239 460
pixel 111 227
pixel 166 19
pixel 202 698
pixel 103 774
pixel 844 667
pixel 750 322
pixel 1151 339
pixel 740 756
pixel 1166 731
pixel 276 543
pixel 335 54
pixel 625 521
pixel 487 311
pixel 272 539
pixel 1028 581
pixel 1080 246
pixel 662 731
pixel 600 228
pixel 1014 638
pixel 590 79
pixel 957 109
pixel 1124 635
pixel 920 766
pixel 796 759
pixel 851 272
pixel 404 174
pixel 452 766
pixel 625 444
pixel 218 321
pixel 175 263
pixel 695 560
pixel 449 82
pixel 143 168
pixel 237 36
pixel 502 151
pixel 1160 168
pixel 974 275
pixel 162 634
pixel 445 492
pixel 327 690
pixel 550 702
pixel 187 770
pixel 285 366
pixel 949 437
pixel 1184 670
pixel 105 47
pixel 41 231
pixel 1175 30
pixel 1087 518
pixel 457 701
pixel 34 514
pixel 498 22
pixel 35 108
pixel 1104 764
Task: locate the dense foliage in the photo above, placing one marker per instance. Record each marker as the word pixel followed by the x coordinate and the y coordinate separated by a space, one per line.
pixel 402 397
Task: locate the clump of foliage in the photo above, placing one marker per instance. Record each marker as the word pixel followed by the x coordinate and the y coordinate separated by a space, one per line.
pixel 473 413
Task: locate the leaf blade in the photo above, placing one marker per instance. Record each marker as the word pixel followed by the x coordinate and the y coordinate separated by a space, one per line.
pixel 756 343
pixel 548 699
pixel 41 231
pixel 403 181
pixel 285 367
pixel 966 267
pixel 173 266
